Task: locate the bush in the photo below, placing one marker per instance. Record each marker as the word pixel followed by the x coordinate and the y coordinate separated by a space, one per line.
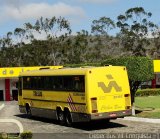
pixel 148 92
pixel 3 136
pixel 82 65
pixel 26 135
pixel 139 68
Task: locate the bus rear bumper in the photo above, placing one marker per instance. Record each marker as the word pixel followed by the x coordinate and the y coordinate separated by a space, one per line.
pixel 82 117
pixel 111 115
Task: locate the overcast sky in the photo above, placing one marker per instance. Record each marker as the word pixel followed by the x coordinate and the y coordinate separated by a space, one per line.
pixel 80 13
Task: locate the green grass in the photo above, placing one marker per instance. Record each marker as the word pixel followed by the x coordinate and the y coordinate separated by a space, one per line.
pixel 9 136
pixel 24 135
pixel 150 101
pixel 148 107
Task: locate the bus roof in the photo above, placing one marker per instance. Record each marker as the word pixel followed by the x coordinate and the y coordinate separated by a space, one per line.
pixel 62 71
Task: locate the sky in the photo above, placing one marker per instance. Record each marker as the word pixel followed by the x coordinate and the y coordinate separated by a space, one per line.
pixel 80 13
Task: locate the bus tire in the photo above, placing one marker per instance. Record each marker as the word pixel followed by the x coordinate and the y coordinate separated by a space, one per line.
pixel 107 120
pixel 28 111
pixel 60 116
pixel 68 118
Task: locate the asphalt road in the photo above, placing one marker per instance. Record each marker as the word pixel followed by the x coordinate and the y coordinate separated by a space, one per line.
pixel 45 128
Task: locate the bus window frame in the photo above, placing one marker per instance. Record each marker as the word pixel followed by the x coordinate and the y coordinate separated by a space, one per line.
pixel 52 80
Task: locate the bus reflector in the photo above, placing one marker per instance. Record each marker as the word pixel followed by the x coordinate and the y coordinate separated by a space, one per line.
pixel 126 95
pixel 94 98
pixel 94 105
pixel 95 111
pixel 112 115
pixel 128 107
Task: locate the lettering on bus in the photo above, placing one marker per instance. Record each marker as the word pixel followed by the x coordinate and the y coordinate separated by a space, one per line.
pixel 117 96
pixel 117 107
pixel 37 93
pixel 5 72
pixel 104 107
pixel 83 98
pixel 112 84
pixel 78 94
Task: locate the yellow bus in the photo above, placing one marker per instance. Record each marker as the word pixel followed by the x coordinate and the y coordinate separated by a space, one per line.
pixel 75 94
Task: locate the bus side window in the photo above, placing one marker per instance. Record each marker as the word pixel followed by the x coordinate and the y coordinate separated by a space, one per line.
pixel 79 84
pixel 26 83
pixel 68 83
pixel 82 87
pixel 57 83
pixel 76 86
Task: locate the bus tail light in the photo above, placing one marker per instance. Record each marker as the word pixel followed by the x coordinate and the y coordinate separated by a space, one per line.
pixel 94 105
pixel 94 111
pixel 127 101
pixel 128 107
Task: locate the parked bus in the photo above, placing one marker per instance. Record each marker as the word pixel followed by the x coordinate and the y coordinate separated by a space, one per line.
pixel 75 94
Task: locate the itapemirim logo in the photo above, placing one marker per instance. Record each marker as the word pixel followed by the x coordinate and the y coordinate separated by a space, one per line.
pixel 112 84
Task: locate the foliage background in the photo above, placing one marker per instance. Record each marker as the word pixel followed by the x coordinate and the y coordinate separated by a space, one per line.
pixel 136 36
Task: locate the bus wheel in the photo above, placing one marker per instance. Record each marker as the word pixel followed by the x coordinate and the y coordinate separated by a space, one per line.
pixel 61 118
pixel 68 118
pixel 28 111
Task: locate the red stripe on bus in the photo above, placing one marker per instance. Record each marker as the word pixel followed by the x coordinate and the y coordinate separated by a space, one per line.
pixel 70 101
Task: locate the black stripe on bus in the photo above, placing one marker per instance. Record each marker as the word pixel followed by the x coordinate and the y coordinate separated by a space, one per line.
pixel 54 101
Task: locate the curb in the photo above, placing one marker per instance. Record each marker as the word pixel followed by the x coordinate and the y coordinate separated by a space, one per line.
pixel 147 120
pixel 1 106
pixel 18 123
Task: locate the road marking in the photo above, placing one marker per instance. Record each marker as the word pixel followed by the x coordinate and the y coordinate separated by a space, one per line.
pixel 138 119
pixel 2 106
pixel 13 121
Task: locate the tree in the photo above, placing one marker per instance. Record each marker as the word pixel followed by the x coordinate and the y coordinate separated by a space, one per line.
pixel 135 28
pixel 139 69
pixel 79 47
pixel 6 41
pixel 102 26
pixel 29 31
pixel 6 50
pixel 36 53
pixel 154 50
pixel 20 35
pixel 100 29
pixel 56 30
